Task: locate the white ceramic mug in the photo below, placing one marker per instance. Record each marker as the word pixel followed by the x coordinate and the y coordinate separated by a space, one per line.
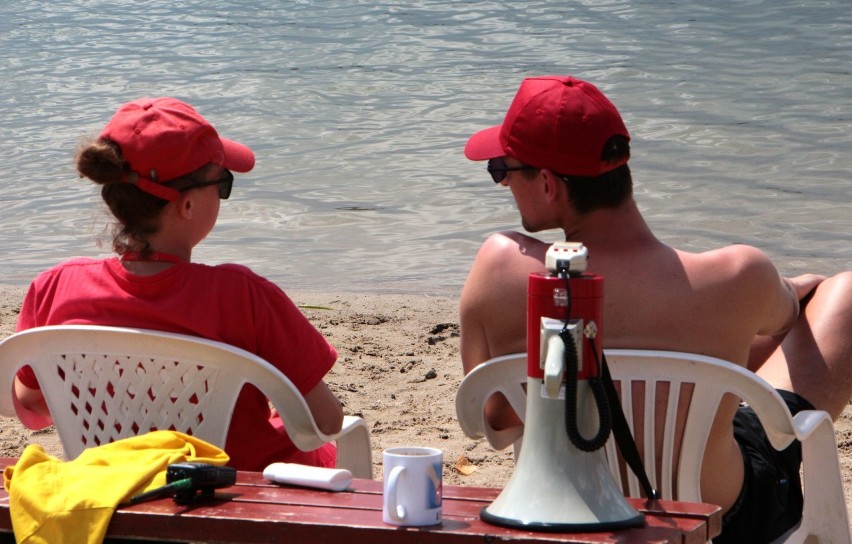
pixel 412 486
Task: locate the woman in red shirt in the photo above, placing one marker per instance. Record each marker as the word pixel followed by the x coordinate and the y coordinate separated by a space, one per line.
pixel 163 170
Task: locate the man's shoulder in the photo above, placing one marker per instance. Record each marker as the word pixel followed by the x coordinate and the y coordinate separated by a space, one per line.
pixel 734 251
pixel 738 261
pixel 740 272
pixel 508 246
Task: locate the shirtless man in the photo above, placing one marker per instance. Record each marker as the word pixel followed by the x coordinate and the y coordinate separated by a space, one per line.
pixel 563 150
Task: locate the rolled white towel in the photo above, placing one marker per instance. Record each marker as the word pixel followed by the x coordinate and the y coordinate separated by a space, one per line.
pixel 332 479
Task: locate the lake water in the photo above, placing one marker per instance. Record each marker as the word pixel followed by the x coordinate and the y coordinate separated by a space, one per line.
pixel 740 114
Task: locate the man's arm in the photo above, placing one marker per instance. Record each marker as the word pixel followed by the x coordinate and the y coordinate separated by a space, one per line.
pixel 800 287
pixel 493 306
pixel 786 302
pixel 492 309
pixel 772 300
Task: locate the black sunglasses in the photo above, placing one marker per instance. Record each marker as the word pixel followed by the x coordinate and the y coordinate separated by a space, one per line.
pixel 225 183
pixel 498 169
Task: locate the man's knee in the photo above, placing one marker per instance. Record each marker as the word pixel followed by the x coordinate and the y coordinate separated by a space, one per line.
pixel 836 291
pixel 841 282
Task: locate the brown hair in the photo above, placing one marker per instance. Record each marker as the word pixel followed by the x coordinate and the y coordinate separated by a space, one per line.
pixel 608 190
pixel 137 212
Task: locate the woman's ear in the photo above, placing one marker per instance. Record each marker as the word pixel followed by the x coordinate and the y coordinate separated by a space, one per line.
pixel 185 205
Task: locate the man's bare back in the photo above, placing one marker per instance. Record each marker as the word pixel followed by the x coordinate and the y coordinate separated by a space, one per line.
pixel 655 297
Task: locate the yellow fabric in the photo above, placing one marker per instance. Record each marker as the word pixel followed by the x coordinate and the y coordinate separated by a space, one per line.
pixel 55 502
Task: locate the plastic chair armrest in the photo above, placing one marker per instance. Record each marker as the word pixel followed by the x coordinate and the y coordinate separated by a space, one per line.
pixel 353 447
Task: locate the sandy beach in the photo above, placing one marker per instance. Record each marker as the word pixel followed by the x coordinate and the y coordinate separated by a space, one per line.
pixel 399 368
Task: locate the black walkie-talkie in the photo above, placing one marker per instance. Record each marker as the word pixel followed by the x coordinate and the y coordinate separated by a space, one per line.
pixel 186 481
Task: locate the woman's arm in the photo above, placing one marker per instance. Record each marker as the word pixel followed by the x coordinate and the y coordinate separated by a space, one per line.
pixel 326 408
pixel 30 406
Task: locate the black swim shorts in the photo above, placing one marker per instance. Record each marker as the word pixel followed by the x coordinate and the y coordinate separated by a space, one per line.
pixel 770 502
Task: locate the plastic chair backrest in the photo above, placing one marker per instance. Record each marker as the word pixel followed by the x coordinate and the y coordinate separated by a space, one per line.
pixel 102 384
pixel 677 445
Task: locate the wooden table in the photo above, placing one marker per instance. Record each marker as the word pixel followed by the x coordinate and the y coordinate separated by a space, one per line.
pixel 255 510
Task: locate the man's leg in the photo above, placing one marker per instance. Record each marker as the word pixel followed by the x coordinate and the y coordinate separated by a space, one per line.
pixel 814 359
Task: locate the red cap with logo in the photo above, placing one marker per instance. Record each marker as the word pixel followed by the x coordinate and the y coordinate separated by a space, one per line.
pixel 555 122
pixel 164 138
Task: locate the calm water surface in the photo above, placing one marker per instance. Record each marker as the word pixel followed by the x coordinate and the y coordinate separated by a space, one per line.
pixel 740 114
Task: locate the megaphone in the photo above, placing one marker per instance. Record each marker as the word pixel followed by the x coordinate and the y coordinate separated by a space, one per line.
pixel 561 481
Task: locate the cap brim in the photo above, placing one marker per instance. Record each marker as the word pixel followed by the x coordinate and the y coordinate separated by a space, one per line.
pixel 238 157
pixel 484 145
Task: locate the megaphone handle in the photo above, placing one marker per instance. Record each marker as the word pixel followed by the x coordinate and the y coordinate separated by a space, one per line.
pixel 554 366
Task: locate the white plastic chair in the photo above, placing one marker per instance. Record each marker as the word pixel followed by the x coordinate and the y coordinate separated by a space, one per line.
pixel 507 375
pixel 102 384
pixel 700 382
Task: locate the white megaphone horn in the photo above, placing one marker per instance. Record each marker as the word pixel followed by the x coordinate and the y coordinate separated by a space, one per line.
pixel 557 486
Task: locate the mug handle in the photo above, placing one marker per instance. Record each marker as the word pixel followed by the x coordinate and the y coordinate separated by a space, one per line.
pixel 395 511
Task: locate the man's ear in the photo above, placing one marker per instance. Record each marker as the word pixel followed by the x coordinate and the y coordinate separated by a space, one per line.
pixel 554 187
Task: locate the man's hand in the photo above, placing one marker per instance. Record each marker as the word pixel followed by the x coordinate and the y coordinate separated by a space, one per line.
pixel 804 285
pixel 763 346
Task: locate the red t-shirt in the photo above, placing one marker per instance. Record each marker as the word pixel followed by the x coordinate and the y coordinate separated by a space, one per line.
pixel 228 303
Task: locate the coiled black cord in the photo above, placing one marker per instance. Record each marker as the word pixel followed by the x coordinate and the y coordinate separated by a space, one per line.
pixel 572 364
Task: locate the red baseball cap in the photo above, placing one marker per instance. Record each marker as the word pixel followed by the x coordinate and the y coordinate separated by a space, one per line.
pixel 164 138
pixel 555 122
